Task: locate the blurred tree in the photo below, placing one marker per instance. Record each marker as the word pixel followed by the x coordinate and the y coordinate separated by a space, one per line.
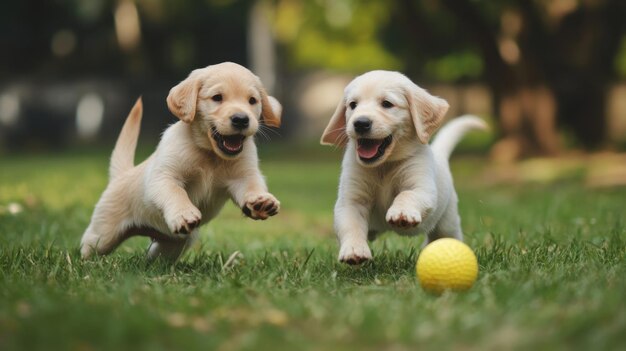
pixel 340 35
pixel 56 52
pixel 99 38
pixel 562 66
pixel 545 62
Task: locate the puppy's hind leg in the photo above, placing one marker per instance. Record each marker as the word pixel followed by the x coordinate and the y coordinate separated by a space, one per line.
pixel 106 229
pixel 100 240
pixel 449 226
pixel 170 250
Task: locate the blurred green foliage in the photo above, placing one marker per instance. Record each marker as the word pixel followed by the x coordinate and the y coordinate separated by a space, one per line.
pixel 620 60
pixel 360 35
pixel 419 37
pixel 341 34
pixel 452 67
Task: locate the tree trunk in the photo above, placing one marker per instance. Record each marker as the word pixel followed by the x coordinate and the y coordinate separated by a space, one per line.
pixel 524 103
pixel 562 75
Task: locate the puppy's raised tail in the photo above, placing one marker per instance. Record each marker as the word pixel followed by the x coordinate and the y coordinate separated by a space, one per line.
pixel 123 156
pixel 450 135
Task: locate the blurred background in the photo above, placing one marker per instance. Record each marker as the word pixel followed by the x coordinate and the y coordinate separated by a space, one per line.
pixel 549 75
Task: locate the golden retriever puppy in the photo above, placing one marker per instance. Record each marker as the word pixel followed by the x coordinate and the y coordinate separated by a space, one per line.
pixel 201 161
pixel 391 178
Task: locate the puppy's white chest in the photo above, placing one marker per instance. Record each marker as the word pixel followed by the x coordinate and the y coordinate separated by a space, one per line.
pixel 207 193
pixel 386 193
pixel 383 198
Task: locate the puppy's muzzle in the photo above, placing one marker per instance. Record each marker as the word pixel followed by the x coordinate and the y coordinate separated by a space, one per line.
pixel 239 121
pixel 362 125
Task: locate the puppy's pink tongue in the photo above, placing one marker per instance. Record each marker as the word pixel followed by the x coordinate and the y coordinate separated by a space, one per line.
pixel 233 143
pixel 368 148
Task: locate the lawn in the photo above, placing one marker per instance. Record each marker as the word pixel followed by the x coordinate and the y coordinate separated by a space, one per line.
pixel 552 270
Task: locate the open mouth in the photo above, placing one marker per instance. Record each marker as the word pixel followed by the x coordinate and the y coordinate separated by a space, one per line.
pixel 229 144
pixel 370 150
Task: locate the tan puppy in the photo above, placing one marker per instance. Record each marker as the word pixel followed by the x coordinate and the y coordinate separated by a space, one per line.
pixel 391 178
pixel 201 161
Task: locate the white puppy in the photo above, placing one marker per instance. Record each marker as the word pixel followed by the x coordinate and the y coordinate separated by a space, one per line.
pixel 391 178
pixel 201 161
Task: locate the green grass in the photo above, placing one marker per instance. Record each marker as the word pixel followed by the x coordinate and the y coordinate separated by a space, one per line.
pixel 552 270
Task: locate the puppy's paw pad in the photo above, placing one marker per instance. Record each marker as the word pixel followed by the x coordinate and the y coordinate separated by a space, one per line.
pixel 261 206
pixel 403 219
pixel 354 253
pixel 184 221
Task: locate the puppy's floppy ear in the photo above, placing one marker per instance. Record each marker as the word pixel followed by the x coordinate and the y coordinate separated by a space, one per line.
pixel 271 110
pixel 182 98
pixel 335 132
pixel 427 111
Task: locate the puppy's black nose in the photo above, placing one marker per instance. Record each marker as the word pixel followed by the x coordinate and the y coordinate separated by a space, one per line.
pixel 362 125
pixel 239 121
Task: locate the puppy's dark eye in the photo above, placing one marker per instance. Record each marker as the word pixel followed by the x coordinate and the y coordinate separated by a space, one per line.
pixel 217 98
pixel 386 104
pixel 353 105
pixel 252 101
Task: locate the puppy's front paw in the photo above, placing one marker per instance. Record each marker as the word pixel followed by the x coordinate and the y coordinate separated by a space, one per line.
pixel 261 206
pixel 184 221
pixel 403 218
pixel 354 253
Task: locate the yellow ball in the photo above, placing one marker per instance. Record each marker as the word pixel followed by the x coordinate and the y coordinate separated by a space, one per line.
pixel 447 264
